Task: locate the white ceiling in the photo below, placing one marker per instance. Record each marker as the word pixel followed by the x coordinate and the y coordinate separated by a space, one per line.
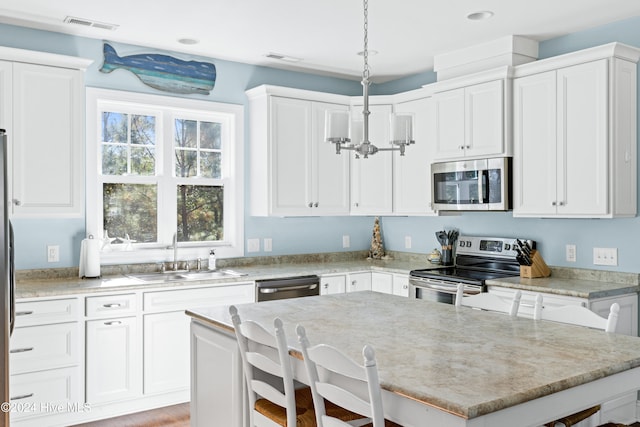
pixel 325 34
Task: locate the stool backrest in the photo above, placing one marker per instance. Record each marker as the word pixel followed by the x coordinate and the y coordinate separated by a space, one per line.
pixel 339 379
pixel 488 301
pixel 577 315
pixel 269 353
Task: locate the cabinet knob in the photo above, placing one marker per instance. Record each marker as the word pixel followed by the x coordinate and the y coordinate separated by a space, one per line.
pixel 355 204
pixel 113 322
pixel 461 147
pixel 553 203
pixel 326 286
pixel 315 205
pixel 310 204
pixel 353 283
pixel 16 202
pixel 561 204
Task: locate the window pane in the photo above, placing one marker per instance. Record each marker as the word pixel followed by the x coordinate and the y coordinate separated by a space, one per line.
pixel 143 130
pixel 131 209
pixel 114 159
pixel 186 133
pixel 143 160
pixel 186 163
pixel 210 135
pixel 200 211
pixel 210 164
pixel 114 127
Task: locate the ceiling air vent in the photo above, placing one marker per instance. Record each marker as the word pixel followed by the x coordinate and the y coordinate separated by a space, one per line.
pixel 89 23
pixel 280 57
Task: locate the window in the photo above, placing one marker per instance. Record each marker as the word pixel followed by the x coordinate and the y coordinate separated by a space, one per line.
pixel 160 166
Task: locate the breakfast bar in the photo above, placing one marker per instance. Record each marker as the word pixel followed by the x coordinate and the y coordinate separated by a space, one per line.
pixel 438 364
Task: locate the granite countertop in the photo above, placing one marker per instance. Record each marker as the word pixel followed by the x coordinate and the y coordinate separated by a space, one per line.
pixel 32 286
pixel 588 284
pixel 420 346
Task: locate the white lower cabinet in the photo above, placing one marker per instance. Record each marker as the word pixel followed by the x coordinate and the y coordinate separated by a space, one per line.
pixel 359 282
pixel 333 284
pixel 113 360
pixel 166 363
pixel 388 283
pixel 45 354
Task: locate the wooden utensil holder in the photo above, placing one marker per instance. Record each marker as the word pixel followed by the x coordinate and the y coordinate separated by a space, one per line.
pixel 538 267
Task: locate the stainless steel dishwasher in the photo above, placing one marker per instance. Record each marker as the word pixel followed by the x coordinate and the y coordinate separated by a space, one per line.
pixel 288 287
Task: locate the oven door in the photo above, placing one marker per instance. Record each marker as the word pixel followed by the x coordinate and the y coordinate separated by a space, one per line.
pixel 439 290
pixel 481 184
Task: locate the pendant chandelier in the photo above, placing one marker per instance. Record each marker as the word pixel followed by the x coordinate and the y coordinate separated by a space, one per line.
pixel 348 134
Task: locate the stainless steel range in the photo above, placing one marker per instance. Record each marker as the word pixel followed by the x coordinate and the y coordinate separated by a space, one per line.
pixel 477 259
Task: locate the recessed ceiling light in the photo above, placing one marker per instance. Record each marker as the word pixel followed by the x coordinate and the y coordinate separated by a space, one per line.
pixel 479 16
pixel 188 41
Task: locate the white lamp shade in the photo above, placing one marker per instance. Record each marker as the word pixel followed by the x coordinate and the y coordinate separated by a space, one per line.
pixel 402 127
pixel 336 125
pixel 357 131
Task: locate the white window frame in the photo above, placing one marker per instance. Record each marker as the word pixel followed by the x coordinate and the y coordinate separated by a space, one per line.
pixel 233 161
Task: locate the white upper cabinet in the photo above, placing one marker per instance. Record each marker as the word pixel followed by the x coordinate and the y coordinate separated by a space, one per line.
pixel 575 139
pixel 372 178
pixel 412 172
pixel 294 172
pixel 470 121
pixel 43 112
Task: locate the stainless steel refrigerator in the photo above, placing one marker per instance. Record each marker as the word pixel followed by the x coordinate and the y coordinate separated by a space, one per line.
pixel 7 306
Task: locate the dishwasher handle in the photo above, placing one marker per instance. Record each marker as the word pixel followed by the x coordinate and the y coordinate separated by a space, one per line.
pixel 287 288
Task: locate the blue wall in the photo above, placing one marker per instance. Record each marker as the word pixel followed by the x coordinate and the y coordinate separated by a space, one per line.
pixel 309 235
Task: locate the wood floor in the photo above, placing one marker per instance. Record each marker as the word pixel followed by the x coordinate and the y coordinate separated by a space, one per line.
pixel 169 416
pixel 178 416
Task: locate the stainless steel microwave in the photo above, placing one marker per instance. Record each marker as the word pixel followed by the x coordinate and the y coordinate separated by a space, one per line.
pixel 472 185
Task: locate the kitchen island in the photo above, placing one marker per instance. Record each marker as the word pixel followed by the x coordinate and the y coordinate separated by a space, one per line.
pixel 439 365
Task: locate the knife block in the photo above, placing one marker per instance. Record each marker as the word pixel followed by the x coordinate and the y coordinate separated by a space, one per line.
pixel 538 267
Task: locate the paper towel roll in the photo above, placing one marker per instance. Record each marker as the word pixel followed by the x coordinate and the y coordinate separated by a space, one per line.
pixel 90 258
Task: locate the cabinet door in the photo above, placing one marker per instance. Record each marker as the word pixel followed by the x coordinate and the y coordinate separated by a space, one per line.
pixel 484 119
pixel 290 136
pixel 333 285
pixel 449 124
pixel 628 315
pixel 359 282
pixel 166 352
pixel 6 100
pixel 46 166
pixel 113 360
pixel 401 285
pixel 582 139
pixel 371 179
pixel 382 282
pixel 330 171
pixel 412 172
pixel 534 157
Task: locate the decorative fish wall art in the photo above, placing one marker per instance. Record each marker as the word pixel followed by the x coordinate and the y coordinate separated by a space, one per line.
pixel 163 72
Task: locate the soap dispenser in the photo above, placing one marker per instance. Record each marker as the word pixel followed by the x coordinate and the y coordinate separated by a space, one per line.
pixel 212 259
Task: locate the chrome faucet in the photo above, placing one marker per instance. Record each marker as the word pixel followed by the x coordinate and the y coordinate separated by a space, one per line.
pixel 175 251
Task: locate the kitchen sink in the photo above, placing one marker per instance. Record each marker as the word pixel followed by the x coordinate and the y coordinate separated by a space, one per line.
pixel 171 276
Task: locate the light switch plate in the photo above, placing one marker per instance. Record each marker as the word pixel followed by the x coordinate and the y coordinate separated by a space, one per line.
pixel 571 253
pixel 267 244
pixel 407 242
pixel 605 256
pixel 346 241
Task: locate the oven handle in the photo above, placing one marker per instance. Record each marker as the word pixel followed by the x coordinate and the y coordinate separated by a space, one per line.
pixel 441 286
pixel 287 288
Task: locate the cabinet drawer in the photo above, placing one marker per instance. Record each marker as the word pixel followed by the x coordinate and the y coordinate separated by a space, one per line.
pixel 182 299
pixel 43 347
pixel 43 392
pixel 30 313
pixel 111 305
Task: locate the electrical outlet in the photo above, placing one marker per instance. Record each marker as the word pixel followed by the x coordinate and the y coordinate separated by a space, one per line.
pixel 407 242
pixel 605 256
pixel 346 241
pixel 53 253
pixel 571 253
pixel 267 244
pixel 253 245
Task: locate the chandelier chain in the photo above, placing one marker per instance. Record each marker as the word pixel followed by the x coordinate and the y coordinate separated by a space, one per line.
pixel 365 52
